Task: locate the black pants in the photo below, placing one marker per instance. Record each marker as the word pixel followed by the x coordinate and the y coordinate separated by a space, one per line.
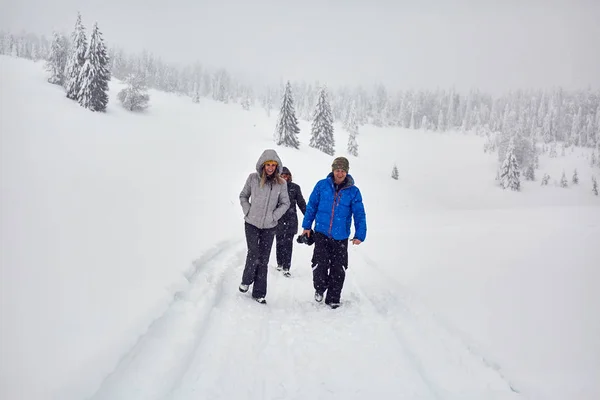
pixel 284 246
pixel 329 264
pixel 259 243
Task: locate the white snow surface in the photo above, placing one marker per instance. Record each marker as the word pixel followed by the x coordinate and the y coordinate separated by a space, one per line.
pixel 122 246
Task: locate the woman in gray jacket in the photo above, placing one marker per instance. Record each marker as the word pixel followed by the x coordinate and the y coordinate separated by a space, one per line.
pixel 264 200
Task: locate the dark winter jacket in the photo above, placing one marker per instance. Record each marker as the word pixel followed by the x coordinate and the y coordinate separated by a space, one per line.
pixel 289 222
pixel 264 205
pixel 333 210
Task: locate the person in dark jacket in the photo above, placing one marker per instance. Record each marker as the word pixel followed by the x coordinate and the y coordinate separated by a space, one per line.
pixel 288 224
pixel 332 204
pixel 264 200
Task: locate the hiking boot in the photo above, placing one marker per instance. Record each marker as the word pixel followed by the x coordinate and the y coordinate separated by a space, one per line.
pixel 279 267
pixel 318 297
pixel 243 288
pixel 286 273
pixel 260 300
pixel 334 305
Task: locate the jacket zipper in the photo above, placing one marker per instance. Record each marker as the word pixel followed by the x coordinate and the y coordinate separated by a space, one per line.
pixel 335 197
pixel 268 201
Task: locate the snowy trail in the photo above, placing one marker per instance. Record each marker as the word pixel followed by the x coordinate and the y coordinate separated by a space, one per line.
pixel 216 343
pixel 294 348
pixel 452 367
pixel 161 356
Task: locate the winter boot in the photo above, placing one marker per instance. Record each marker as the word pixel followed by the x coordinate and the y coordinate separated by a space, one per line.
pixel 318 297
pixel 286 273
pixel 243 288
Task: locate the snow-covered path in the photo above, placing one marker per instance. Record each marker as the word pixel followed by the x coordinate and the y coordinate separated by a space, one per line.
pixel 216 343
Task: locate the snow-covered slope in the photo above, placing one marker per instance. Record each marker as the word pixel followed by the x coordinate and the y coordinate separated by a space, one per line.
pixel 121 247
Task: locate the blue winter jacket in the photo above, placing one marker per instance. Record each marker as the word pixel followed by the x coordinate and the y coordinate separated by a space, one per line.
pixel 333 212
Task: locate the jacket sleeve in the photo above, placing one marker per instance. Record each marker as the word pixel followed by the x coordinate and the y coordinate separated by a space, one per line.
pixel 283 203
pixel 311 208
pixel 360 217
pixel 245 195
pixel 300 200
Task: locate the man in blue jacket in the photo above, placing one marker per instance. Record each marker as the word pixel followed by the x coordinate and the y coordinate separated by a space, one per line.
pixel 332 204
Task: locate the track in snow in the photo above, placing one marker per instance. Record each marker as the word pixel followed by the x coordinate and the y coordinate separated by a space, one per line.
pixel 216 343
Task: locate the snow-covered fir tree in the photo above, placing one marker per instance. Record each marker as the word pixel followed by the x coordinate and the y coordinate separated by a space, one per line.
pixel 440 121
pixel 246 102
pixel 352 127
pixel 490 144
pixel 545 179
pixel 594 185
pixel 134 97
pixel 57 60
pixel 563 181
pixel 529 172
pixel 575 179
pixel 536 154
pixel 395 173
pixel 286 131
pixel 95 75
pixel 196 93
pixel 322 126
pixel 510 175
pixel 76 60
pixel 268 102
pixel 552 151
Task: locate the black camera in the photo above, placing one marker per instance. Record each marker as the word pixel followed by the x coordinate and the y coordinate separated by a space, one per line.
pixel 309 240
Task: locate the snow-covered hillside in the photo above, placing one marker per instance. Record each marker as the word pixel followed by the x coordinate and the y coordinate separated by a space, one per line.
pixel 122 245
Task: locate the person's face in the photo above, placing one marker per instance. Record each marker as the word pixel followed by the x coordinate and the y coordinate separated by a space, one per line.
pixel 339 175
pixel 270 168
pixel 287 177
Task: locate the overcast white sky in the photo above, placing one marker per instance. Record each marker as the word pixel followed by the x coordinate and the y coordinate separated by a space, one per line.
pixel 493 45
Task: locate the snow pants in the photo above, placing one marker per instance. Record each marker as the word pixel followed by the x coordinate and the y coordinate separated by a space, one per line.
pixel 260 242
pixel 284 246
pixel 329 264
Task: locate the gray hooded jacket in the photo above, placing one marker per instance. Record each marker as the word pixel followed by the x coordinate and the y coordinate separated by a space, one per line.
pixel 264 206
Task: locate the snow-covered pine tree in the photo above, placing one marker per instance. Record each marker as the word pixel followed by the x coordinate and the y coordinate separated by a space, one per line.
pixel 510 175
pixel 593 160
pixel 545 179
pixel 196 94
pixel 286 131
pixel 530 172
pixel 246 102
pixel 134 97
pixel 564 183
pixel 534 153
pixel 268 102
pixel 57 60
pixel 490 143
pixel 353 129
pixel 76 60
pixel 575 179
pixel 395 173
pixel 95 75
pixel 440 121
pixel 594 185
pixel 553 153
pixel 322 126
pixel 576 129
